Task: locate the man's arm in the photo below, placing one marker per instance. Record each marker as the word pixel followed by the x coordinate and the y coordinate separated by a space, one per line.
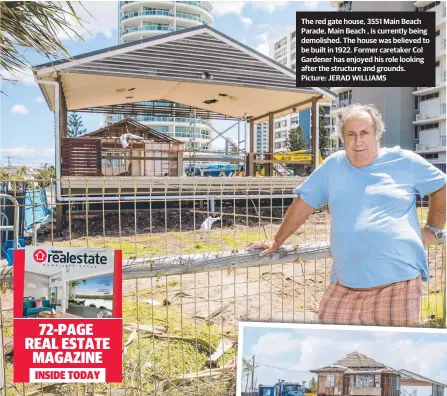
pixel 436 216
pixel 295 217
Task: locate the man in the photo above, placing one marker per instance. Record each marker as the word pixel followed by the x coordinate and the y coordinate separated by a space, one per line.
pixel 377 246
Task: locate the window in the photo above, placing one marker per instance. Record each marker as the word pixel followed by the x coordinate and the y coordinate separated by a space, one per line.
pixel 294 120
pixel 277 124
pixel 330 379
pixel 416 132
pixel 364 380
pixel 294 66
pixel 294 55
pixel 430 156
pixel 159 128
pixel 443 141
pixel 293 45
pixel 280 52
pixel 278 135
pixel 438 32
pixel 425 127
pixel 345 6
pixel 280 43
pixel 284 123
pixel 293 35
pixel 437 64
pixel 345 98
pixel 377 380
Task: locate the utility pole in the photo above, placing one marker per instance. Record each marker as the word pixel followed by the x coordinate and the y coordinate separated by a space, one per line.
pixel 9 165
pixel 253 374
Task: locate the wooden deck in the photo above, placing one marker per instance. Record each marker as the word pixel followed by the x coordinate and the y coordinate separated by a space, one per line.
pixel 166 186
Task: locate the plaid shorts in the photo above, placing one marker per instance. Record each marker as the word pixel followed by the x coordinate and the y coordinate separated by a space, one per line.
pixel 398 304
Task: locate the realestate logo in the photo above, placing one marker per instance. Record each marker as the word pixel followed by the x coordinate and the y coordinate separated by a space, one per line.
pixel 40 255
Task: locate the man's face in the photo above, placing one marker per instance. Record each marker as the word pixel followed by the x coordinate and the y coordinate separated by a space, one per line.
pixel 361 144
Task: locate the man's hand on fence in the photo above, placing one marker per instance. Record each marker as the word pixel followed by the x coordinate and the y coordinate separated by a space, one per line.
pixel 270 247
pixel 428 238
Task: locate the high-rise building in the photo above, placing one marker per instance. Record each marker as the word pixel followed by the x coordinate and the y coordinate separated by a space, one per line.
pixel 415 117
pixel 283 51
pixel 430 102
pixel 261 137
pixel 142 19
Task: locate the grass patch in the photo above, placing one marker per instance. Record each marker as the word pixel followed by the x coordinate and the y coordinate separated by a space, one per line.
pixel 433 305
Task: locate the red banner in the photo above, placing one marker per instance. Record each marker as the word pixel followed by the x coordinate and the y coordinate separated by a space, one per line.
pixel 55 340
pixel 67 350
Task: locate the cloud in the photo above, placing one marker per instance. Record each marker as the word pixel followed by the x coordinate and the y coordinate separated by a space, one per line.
pixel 29 153
pixel 247 22
pixel 264 46
pixel 283 342
pixel 98 18
pixel 39 99
pixel 19 109
pixel 221 8
pixel 22 76
pixel 311 5
pixel 269 6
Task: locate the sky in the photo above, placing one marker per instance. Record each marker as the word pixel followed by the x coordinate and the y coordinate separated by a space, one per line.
pixel 27 125
pixel 304 349
pixel 92 286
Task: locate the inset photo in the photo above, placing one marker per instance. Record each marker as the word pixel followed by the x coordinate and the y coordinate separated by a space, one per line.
pixel 68 283
pixel 320 360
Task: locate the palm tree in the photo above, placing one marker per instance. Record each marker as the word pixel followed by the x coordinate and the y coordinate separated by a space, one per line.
pixel 35 25
pixel 22 171
pixel 248 370
pixel 4 175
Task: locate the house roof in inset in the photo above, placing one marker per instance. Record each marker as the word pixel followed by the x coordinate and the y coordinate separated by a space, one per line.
pixel 354 361
pixel 409 378
pixel 129 125
pixel 171 67
pixel 357 360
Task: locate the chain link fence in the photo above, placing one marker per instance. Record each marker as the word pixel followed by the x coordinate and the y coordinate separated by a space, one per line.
pixel 180 326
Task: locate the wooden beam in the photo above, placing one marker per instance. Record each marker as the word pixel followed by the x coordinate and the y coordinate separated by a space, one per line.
pixel 291 107
pixel 271 134
pixel 252 137
pixel 313 132
pixel 251 165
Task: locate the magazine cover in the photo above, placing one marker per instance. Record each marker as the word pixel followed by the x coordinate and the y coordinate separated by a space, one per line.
pixel 67 315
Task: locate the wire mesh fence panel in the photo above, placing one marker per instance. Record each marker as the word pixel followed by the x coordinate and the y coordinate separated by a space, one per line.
pixel 188 278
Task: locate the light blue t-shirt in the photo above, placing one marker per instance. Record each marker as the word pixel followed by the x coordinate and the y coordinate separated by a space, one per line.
pixel 375 231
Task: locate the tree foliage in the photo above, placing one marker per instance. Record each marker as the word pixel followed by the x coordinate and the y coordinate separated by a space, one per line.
pixel 296 139
pixel 75 125
pixel 34 25
pixel 46 175
pixel 324 134
pixel 313 385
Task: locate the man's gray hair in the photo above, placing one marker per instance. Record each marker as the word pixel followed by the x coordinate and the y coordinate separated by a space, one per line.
pixel 357 108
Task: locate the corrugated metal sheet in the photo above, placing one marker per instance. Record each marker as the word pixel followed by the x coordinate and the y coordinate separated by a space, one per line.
pixel 186 59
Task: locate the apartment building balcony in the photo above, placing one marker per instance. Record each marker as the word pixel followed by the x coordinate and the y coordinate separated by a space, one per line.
pixel 440 47
pixel 338 105
pixel 340 89
pixel 163 16
pixel 441 14
pixel 424 118
pixel 423 148
pixel 428 90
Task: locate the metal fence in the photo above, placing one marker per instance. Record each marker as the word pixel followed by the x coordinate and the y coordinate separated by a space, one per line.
pixel 180 326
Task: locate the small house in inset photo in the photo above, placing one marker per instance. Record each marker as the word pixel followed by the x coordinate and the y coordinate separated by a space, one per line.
pixel 357 374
